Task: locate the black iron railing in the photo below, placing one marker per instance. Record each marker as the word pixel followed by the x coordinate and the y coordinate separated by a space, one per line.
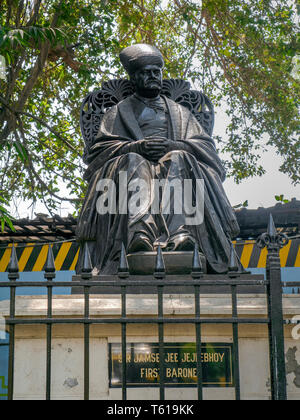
pixel 160 283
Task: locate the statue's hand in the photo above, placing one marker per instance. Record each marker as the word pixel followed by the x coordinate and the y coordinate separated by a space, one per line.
pixel 155 148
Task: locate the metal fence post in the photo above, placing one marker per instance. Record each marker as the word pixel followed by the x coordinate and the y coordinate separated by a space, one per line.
pixel 233 272
pixel 274 241
pixel 86 274
pixel 197 274
pixel 49 275
pixel 123 273
pixel 13 275
pixel 159 274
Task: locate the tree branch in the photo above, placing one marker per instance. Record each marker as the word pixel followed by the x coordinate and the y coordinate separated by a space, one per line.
pixel 35 12
pixel 32 170
pixel 49 128
pixel 5 131
pixel 38 67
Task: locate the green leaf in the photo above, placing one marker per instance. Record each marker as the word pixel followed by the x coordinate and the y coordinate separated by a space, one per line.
pixel 21 151
pixel 245 203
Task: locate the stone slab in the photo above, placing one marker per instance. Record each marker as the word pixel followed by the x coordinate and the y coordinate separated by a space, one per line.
pixel 174 304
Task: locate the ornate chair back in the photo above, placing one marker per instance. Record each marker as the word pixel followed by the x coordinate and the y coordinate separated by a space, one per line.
pixel 98 102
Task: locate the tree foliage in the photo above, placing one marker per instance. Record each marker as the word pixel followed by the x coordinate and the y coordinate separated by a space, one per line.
pixel 240 53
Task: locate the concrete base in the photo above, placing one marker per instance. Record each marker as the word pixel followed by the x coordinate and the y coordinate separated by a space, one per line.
pixel 67 344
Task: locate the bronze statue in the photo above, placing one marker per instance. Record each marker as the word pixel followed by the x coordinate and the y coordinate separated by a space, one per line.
pixel 148 137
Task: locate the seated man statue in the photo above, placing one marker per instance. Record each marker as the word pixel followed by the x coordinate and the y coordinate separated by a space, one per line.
pixel 147 137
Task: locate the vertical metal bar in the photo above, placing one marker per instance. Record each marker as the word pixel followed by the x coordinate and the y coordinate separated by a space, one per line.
pixel 198 343
pixel 123 273
pixel 197 273
pixel 274 241
pixel 236 365
pixel 160 273
pixel 49 337
pixel 49 276
pixel 124 344
pixel 86 344
pixel 276 332
pixel 86 274
pixel 13 274
pixel 161 343
pixel 11 345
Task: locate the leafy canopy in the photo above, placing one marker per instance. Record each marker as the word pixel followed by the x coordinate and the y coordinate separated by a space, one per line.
pixel 239 52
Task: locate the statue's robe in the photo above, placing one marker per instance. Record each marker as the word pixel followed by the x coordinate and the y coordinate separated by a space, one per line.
pixel 193 156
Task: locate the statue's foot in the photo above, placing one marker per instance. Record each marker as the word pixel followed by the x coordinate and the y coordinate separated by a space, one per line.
pixel 140 242
pixel 181 242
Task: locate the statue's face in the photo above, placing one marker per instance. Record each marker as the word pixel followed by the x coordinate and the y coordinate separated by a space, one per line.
pixel 148 79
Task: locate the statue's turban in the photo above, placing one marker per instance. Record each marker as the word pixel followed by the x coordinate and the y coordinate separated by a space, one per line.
pixel 140 55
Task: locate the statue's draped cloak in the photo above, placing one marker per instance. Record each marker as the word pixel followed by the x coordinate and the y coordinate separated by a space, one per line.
pixel 112 153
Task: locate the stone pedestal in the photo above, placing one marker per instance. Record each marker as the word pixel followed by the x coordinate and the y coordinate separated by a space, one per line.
pixel 67 344
pixel 176 262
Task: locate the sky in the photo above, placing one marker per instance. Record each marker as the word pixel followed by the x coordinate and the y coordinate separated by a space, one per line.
pixel 260 191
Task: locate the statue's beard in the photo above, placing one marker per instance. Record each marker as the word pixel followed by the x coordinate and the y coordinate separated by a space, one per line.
pixel 149 92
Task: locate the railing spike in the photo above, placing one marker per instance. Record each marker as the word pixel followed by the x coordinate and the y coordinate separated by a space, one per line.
pixel 197 268
pixel 159 262
pixel 123 264
pixel 50 265
pixel 87 263
pixel 13 266
pixel 233 266
pixel 271 226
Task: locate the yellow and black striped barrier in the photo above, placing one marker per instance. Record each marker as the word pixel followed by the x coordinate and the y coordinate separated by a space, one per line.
pixel 253 257
pixel 32 256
